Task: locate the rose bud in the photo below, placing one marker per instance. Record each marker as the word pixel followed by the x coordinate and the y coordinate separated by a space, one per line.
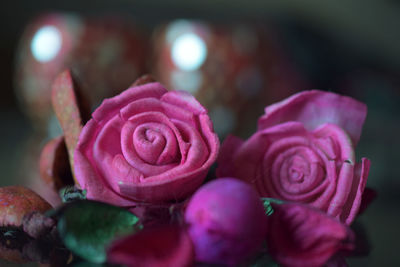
pixel 226 221
pixel 304 151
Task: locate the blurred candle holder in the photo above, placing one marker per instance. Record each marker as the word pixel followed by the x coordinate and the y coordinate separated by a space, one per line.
pixel 106 53
pixel 235 70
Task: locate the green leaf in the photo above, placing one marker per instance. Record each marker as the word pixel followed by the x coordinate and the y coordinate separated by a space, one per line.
pixel 267 204
pixel 87 227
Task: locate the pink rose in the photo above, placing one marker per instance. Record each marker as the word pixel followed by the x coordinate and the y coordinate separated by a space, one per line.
pixel 146 144
pixel 303 151
pixel 299 235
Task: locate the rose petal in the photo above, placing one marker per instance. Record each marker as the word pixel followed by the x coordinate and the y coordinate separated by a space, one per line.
pixel 111 106
pixel 299 235
pixel 342 145
pixel 350 210
pixel 314 108
pixel 149 104
pixel 86 174
pixel 343 188
pixel 166 246
pixel 185 100
pixel 155 192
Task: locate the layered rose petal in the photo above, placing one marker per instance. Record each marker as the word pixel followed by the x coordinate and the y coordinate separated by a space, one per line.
pixel 145 144
pixel 313 108
pixel 299 235
pixel 300 160
pixel 353 203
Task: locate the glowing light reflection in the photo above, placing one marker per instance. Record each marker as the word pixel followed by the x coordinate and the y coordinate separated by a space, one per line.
pixel 189 52
pixel 46 43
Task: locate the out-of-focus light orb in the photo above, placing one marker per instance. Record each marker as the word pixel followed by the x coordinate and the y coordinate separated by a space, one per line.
pixel 189 52
pixel 46 43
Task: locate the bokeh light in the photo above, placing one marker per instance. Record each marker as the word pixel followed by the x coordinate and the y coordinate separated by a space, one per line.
pixel 46 43
pixel 189 52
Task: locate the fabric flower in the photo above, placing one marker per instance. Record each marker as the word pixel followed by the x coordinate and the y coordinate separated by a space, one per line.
pixel 226 221
pixel 146 144
pixel 299 235
pixel 303 151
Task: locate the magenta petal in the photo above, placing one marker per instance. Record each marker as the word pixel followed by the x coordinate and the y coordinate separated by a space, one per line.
pixel 86 174
pixel 111 106
pixel 299 235
pixel 166 246
pixel 343 188
pixel 185 100
pixel 351 209
pixel 314 108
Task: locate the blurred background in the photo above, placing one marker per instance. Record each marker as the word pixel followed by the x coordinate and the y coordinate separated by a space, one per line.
pixel 235 56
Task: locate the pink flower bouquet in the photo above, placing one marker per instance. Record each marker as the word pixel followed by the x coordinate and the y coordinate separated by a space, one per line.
pixel 287 195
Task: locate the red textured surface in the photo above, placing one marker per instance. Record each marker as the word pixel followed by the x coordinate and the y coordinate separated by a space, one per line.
pixel 16 201
pixel 166 246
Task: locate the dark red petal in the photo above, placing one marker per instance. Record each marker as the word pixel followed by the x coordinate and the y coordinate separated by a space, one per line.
pixel 163 246
pixel 368 197
pixel 54 165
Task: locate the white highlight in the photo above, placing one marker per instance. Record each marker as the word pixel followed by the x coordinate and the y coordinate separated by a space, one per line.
pixel 189 52
pixel 46 43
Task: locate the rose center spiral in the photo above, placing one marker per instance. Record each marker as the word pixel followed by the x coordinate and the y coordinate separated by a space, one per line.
pixel 155 144
pixel 297 170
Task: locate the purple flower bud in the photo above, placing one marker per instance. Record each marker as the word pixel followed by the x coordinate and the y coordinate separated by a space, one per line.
pixel 226 221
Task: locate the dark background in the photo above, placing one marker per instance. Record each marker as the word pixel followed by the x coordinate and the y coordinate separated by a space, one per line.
pixel 354 42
